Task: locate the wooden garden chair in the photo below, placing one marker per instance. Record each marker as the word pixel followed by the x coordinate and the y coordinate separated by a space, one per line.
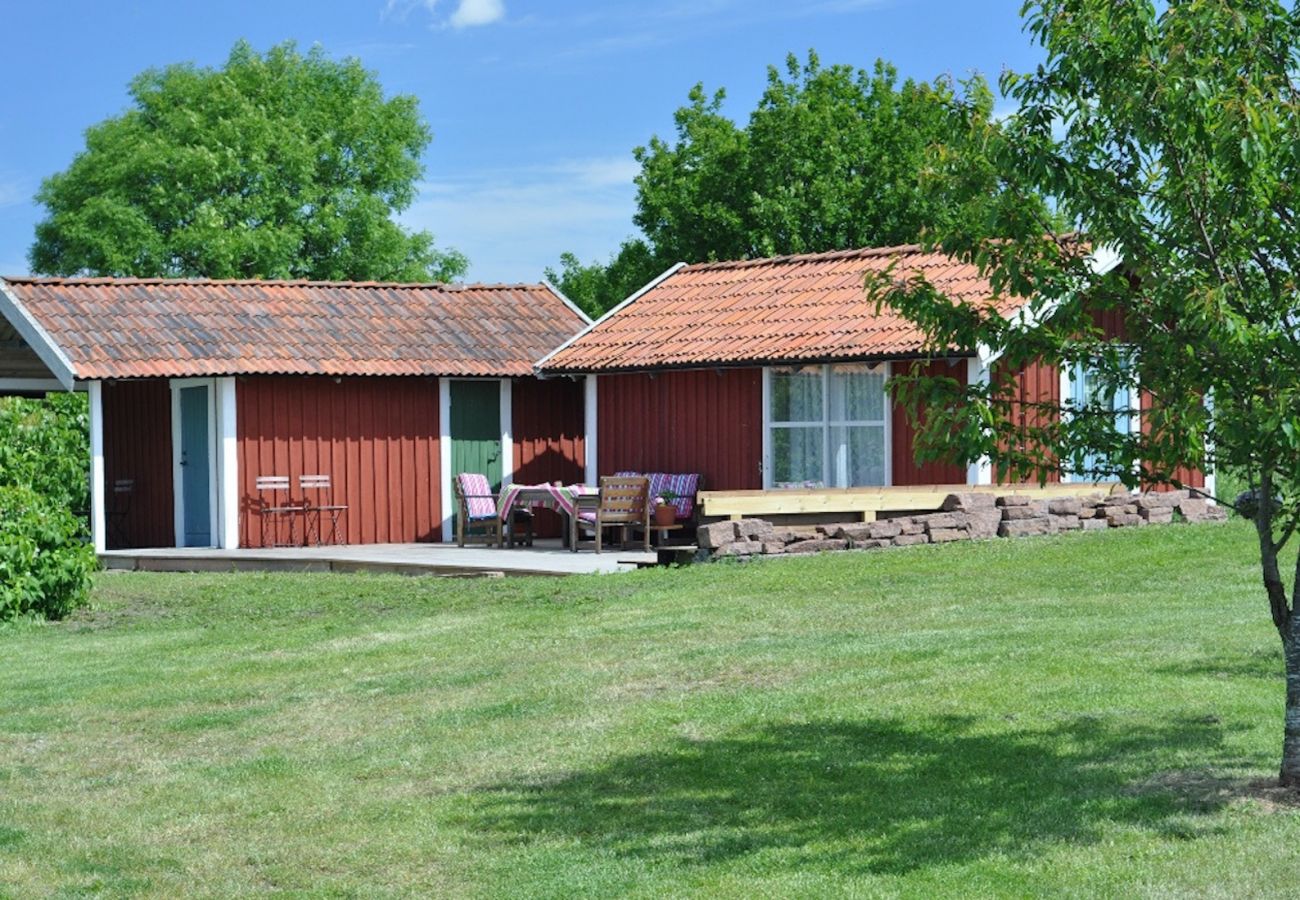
pixel 477 509
pixel 624 503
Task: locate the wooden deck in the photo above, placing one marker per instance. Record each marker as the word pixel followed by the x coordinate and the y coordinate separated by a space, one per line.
pixel 865 503
pixel 547 558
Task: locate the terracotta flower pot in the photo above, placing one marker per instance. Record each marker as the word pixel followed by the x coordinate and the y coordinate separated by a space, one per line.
pixel 665 514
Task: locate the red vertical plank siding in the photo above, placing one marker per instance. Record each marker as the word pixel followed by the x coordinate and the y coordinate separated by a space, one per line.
pixel 1035 383
pixel 1190 477
pixel 138 445
pixel 373 436
pixel 906 469
pixel 547 427
pixel 705 421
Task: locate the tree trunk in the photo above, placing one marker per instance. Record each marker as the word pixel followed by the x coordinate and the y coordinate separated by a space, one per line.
pixel 1290 775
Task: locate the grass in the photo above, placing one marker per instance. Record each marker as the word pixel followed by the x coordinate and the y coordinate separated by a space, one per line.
pixel 1092 714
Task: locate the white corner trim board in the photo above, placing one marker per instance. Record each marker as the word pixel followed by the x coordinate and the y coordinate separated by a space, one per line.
pixel 590 426
pixel 444 455
pixel 36 337
pixel 227 464
pixel 98 513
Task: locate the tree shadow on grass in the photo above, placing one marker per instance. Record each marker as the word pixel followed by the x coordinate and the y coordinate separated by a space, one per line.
pixel 876 795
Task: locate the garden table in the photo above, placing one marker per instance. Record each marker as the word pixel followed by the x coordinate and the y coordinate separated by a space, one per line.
pixel 566 499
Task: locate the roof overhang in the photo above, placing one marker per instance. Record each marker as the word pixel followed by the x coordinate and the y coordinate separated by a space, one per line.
pixel 37 338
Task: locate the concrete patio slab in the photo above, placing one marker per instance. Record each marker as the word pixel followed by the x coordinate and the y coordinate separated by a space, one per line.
pixel 546 558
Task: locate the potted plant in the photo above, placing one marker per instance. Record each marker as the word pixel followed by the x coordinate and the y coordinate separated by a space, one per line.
pixel 665 512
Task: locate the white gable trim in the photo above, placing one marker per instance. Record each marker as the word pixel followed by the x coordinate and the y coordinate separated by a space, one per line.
pixel 617 309
pixel 36 337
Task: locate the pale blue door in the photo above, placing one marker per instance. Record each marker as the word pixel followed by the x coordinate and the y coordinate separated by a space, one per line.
pixel 196 487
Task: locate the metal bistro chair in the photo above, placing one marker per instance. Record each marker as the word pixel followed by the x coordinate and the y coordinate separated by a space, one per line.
pixel 624 502
pixel 123 493
pixel 276 510
pixel 322 485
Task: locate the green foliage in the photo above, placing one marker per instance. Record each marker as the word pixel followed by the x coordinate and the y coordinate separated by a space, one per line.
pixel 44 445
pixel 277 165
pixel 830 159
pixel 45 564
pixel 1171 135
pixel 597 288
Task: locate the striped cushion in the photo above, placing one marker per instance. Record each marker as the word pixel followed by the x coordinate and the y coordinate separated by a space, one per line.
pixel 478 495
pixel 684 486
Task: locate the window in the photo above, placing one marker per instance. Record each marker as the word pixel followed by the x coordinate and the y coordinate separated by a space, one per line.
pixel 1080 388
pixel 827 426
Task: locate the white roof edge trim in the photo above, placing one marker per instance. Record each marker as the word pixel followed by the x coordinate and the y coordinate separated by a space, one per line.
pixel 653 283
pixel 1102 261
pixel 36 337
pixel 554 289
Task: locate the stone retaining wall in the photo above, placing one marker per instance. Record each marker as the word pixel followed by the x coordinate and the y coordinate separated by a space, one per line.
pixel 967 516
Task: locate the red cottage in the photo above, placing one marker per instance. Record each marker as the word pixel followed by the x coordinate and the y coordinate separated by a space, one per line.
pixel 768 374
pixel 199 388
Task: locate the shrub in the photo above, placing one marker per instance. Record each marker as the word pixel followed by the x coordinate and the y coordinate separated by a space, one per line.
pixel 45 563
pixel 45 445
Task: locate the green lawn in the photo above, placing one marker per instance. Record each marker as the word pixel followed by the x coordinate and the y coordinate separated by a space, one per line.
pixel 1090 714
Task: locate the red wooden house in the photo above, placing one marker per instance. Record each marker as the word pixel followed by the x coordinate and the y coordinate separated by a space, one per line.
pixel 771 373
pixel 198 388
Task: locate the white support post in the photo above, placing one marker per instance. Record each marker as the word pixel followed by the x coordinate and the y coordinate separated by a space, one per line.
pixel 227 466
pixel 444 455
pixel 591 422
pixel 507 434
pixel 98 515
pixel 980 471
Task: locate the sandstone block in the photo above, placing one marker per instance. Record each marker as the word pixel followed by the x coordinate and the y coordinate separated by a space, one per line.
pixel 1127 509
pixel 817 546
pixel 908 540
pixel 1024 527
pixel 1014 513
pixel 909 527
pixel 1094 524
pixel 869 544
pixel 862 531
pixel 1064 506
pixel 753 529
pixel 771 548
pixel 716 534
pixel 944 535
pixel 884 529
pixel 1157 515
pixel 1160 499
pixel 1065 523
pixel 965 502
pixel 983 523
pixel 1194 509
pixel 1013 500
pixel 738 548
pixel 1124 520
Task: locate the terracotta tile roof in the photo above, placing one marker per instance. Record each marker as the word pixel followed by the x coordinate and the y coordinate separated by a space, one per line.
pixel 135 328
pixel 790 308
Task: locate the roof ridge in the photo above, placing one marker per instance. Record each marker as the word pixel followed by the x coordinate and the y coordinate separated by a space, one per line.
pixel 271 282
pixel 824 255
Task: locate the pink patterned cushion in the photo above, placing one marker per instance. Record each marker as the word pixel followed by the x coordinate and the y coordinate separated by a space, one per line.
pixel 684 486
pixel 478 495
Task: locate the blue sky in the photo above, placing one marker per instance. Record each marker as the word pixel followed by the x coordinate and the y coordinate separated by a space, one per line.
pixel 535 107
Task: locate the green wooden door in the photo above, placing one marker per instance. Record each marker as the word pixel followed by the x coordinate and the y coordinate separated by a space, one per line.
pixel 476 431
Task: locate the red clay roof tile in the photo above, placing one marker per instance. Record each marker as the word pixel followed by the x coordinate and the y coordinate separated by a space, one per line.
pixel 789 308
pixel 135 328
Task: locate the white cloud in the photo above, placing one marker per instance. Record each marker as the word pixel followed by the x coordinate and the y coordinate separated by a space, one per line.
pixel 513 223
pixel 467 13
pixel 477 12
pixel 13 192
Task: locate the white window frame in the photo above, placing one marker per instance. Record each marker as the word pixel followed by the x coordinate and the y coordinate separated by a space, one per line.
pixel 1134 410
pixel 829 453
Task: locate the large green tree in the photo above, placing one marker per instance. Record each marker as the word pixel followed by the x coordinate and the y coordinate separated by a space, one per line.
pixel 276 165
pixel 830 159
pixel 1170 133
